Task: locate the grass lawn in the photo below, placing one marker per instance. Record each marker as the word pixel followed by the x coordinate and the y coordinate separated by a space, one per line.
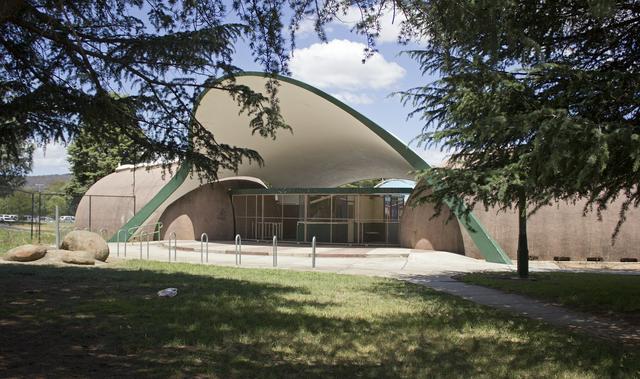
pixel 20 234
pixel 591 292
pixel 228 322
pixel 10 238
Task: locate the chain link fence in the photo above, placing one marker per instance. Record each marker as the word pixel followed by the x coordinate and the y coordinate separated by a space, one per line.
pixel 30 216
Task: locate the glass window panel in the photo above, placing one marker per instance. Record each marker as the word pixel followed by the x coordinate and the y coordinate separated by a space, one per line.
pixel 272 207
pixel 343 207
pixel 259 206
pixel 373 232
pixel 291 206
pixel 340 232
pixel 321 230
pixel 251 228
pixel 289 229
pixel 371 207
pixel 319 207
pixel 251 205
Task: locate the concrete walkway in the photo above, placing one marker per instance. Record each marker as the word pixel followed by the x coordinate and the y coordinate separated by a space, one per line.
pixel 616 330
pixel 433 269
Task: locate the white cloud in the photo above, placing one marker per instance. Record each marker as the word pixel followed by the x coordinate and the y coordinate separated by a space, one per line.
pixel 433 157
pixel 390 24
pixel 338 64
pixel 353 98
pixel 306 26
pixel 50 160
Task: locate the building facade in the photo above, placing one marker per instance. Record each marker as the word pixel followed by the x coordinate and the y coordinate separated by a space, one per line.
pixel 299 192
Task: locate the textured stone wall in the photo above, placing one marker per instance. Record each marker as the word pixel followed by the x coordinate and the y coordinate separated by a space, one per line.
pixel 206 209
pixel 559 230
pixel 419 231
pixel 109 212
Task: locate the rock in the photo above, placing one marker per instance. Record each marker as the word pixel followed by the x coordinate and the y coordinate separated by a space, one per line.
pixel 79 258
pixel 82 240
pixel 54 256
pixel 26 253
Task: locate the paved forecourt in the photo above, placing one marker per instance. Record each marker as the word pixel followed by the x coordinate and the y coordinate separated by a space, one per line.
pixel 376 261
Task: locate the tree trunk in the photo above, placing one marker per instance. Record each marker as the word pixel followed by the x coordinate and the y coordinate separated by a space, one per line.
pixel 523 248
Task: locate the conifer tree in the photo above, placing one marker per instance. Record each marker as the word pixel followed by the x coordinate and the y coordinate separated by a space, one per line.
pixel 537 101
pixel 62 59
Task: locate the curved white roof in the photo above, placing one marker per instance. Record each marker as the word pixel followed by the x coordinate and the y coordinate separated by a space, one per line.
pixel 331 144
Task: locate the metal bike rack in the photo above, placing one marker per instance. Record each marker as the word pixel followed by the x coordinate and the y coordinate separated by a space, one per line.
pixel 118 240
pixel 175 246
pixel 128 233
pixel 238 250
pixel 275 251
pixel 203 236
pixel 126 238
pixel 313 252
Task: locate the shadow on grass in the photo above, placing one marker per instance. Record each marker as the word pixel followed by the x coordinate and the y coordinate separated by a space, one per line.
pixel 62 322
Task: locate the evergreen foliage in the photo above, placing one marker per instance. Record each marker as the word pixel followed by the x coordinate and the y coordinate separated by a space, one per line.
pixel 61 60
pixel 14 166
pixel 537 101
pixel 91 159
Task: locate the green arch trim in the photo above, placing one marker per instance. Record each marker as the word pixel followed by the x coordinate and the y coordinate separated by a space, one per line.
pixel 488 247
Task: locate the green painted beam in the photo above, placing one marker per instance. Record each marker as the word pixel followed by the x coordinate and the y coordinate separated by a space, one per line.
pixel 148 209
pixel 327 191
pixel 489 248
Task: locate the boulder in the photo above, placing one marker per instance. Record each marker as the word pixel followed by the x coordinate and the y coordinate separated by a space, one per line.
pixel 54 256
pixel 82 240
pixel 26 253
pixel 79 258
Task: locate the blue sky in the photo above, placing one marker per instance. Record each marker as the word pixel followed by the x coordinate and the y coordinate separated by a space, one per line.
pixel 336 68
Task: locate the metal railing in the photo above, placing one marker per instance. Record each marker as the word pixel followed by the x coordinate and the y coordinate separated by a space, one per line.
pixel 126 239
pixel 157 228
pixel 142 235
pixel 202 241
pixel 238 242
pixel 118 240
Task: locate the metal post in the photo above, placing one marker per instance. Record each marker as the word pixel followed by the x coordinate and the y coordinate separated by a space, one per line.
pixel 175 246
pixel 33 210
pixel 141 235
pixel 148 237
pixel 57 227
pixel 39 215
pixel 238 249
pixel 90 212
pixel 202 236
pixel 313 252
pixel 275 251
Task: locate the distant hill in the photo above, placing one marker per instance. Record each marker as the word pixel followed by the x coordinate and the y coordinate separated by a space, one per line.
pixel 45 180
